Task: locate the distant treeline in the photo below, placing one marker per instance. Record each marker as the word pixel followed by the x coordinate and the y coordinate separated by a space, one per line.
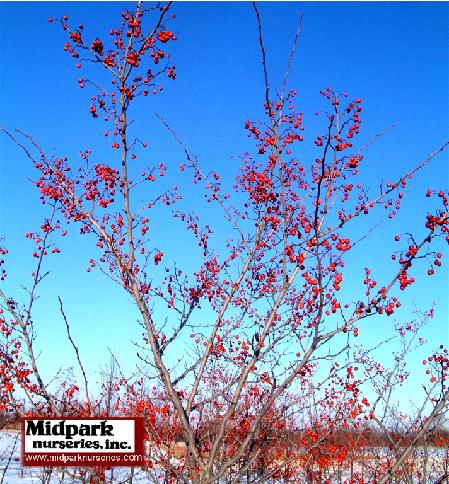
pixel 362 437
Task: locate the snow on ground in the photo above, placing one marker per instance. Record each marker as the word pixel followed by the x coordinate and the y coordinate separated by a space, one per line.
pixel 11 471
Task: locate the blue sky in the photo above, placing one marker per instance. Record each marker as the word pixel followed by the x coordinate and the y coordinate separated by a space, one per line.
pixel 393 55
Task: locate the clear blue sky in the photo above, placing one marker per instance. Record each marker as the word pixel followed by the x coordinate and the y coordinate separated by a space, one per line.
pixel 393 55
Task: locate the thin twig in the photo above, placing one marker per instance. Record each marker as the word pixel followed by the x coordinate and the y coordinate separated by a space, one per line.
pixel 292 55
pixel 264 61
pixel 72 342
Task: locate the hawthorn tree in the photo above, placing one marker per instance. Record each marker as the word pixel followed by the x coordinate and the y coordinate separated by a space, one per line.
pixel 269 374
